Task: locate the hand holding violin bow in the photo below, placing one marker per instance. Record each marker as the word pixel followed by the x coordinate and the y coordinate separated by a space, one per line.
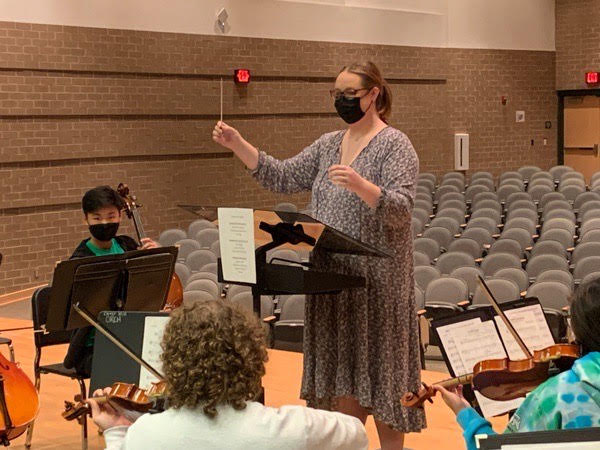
pixel 118 405
pixel 105 414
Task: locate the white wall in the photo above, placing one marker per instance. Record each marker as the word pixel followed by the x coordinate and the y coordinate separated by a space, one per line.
pixel 509 24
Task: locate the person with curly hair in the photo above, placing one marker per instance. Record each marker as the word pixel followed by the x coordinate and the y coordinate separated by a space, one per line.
pixel 213 359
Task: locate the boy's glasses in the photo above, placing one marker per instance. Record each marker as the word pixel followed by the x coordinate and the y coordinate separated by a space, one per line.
pixel 348 93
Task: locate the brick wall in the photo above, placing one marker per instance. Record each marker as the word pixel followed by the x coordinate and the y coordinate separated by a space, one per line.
pixel 477 81
pixel 577 42
pixel 81 107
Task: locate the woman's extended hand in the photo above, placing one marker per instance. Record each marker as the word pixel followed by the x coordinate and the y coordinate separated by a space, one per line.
pixel 346 177
pixel 226 136
pixel 453 398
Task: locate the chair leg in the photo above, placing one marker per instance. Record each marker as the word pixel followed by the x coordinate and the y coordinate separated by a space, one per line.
pixel 29 436
pixel 83 418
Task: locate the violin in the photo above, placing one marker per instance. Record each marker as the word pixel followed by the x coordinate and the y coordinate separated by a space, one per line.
pixel 124 395
pixel 19 401
pixel 504 379
pixel 175 294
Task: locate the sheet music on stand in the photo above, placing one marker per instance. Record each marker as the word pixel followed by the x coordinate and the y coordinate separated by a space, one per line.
pixel 142 336
pixel 530 323
pixel 476 335
pixel 154 328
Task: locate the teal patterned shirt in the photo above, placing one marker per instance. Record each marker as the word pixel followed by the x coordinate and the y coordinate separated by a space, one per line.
pixel 568 400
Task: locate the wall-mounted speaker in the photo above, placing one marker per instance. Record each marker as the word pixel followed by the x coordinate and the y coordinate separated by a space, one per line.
pixel 461 151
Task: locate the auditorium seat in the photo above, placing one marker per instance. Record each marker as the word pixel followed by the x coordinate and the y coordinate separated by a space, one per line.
pixel 551 294
pixel 425 275
pixel 199 258
pixel 516 275
pixel 468 246
pixel 469 275
pixel 562 276
pixel 183 272
pixel 558 171
pixel 559 235
pixel 541 263
pixel 496 261
pixel 551 196
pixel 428 246
pixel 207 237
pixel 203 284
pixel 198 225
pixel 504 290
pixel 185 247
pixel 548 248
pixel 169 237
pixel 507 246
pixel 527 171
pixel 452 260
pixel 585 266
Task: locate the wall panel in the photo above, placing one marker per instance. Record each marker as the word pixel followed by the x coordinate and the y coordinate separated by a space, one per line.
pixel 85 106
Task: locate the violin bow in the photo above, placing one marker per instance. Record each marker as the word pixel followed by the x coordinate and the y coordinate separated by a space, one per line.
pixel 500 313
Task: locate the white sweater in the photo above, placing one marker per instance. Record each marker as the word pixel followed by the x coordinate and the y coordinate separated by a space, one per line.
pixel 255 427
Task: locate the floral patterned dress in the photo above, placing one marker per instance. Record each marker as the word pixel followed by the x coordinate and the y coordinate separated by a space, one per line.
pixel 364 342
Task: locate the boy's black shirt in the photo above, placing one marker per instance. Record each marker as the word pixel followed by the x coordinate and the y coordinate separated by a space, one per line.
pixel 79 357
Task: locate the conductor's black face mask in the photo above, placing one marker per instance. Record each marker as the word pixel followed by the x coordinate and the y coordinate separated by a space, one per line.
pixel 348 108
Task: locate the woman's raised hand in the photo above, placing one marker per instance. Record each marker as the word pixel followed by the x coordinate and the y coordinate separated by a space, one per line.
pixel 231 138
pixel 226 136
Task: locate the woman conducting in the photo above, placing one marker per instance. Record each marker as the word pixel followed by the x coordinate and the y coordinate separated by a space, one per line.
pixel 361 349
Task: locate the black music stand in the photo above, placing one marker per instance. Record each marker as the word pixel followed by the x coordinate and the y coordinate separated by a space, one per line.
pixel 133 281
pixel 288 227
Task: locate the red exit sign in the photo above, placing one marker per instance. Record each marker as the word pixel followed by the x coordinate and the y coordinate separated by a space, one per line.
pixel 592 77
pixel 241 76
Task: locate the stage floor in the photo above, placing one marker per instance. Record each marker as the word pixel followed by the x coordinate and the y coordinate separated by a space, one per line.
pixel 282 385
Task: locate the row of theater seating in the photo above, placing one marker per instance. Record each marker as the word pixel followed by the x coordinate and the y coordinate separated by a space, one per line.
pixel 530 233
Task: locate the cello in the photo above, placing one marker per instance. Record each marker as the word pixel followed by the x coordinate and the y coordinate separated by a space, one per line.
pixel 19 401
pixel 175 294
pixel 504 379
